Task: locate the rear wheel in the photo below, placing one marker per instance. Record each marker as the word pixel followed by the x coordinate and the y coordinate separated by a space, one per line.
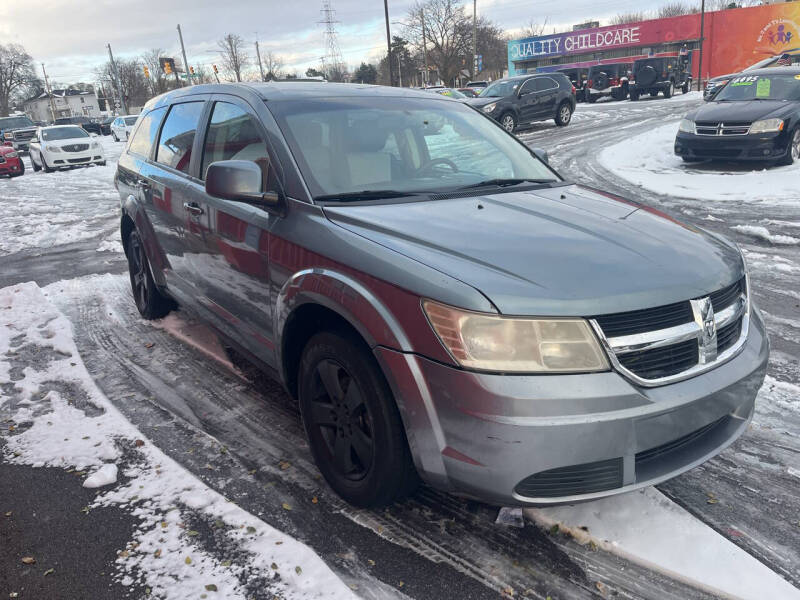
pixel 564 114
pixel 685 88
pixel 669 90
pixel 150 302
pixel 634 94
pixel 590 98
pixel 793 149
pixel 509 122
pixel 352 422
pixel 654 93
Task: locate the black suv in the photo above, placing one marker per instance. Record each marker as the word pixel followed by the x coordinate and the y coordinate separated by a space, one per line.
pixel 578 77
pixel 86 123
pixel 527 98
pixel 662 74
pixel 608 80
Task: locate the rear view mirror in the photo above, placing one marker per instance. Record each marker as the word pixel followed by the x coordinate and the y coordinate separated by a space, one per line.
pixel 541 154
pixel 240 181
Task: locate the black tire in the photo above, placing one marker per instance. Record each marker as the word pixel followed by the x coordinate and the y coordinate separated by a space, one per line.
pixel 36 168
pixel 685 88
pixel 792 149
pixel 634 95
pixel 669 90
pixel 352 422
pixel 21 170
pixel 590 98
pixel 101 164
pixel 45 168
pixel 654 93
pixel 150 302
pixel 563 114
pixel 114 136
pixel 508 122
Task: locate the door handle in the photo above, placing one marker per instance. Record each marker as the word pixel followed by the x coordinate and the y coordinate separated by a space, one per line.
pixel 193 208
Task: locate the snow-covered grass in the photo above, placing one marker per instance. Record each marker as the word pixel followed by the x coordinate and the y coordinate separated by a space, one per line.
pixel 761 232
pixel 648 160
pixel 59 418
pixel 646 527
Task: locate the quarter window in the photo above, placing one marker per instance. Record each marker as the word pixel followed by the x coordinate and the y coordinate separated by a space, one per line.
pixel 145 136
pixel 177 135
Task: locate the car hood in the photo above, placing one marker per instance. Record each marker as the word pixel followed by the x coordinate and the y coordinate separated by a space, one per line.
pixel 559 251
pixel 750 110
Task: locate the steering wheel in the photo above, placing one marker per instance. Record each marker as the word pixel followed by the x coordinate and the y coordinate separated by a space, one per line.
pixel 437 161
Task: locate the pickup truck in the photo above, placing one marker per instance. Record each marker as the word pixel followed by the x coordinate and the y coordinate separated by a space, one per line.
pixel 18 130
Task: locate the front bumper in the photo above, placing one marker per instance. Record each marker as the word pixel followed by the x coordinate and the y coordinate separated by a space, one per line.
pixel 11 166
pixel 523 440
pixel 759 147
pixel 75 159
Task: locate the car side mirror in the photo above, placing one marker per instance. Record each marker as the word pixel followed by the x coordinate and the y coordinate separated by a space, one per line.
pixel 239 181
pixel 93 134
pixel 541 154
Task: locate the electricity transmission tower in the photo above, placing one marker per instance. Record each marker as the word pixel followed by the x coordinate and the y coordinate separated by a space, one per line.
pixel 332 62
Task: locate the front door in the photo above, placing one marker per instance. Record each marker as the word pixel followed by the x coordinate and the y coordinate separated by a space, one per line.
pixel 230 240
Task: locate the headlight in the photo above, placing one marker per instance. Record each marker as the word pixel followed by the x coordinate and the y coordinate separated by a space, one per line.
pixel 488 342
pixel 52 148
pixel 767 126
pixel 490 107
pixel 8 135
pixel 687 126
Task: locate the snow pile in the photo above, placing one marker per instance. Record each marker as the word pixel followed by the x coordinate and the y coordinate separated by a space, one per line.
pixel 647 528
pixel 60 418
pixel 763 233
pixel 648 160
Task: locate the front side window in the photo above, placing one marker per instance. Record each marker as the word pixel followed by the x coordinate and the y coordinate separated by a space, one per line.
pixel 350 145
pixel 177 135
pixel 145 135
pixel 232 135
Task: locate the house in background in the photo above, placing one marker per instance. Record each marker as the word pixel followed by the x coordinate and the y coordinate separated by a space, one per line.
pixel 66 103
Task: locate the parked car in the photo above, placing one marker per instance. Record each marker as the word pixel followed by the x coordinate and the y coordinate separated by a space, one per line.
pixel 122 127
pixel 578 77
pixel 469 92
pixel 715 83
pixel 11 164
pixel 663 74
pixel 105 125
pixel 608 80
pixel 64 146
pixel 395 276
pixel 755 117
pixel 18 130
pixel 525 99
pixel 477 85
pixel 449 92
pixel 85 122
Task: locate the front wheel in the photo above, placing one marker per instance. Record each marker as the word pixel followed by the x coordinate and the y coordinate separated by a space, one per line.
pixel 114 137
pixel 564 114
pixel 793 149
pixel 21 169
pixel 36 168
pixel 149 300
pixel 669 90
pixel 509 122
pixel 352 422
pixel 46 168
pixel 634 95
pixel 685 88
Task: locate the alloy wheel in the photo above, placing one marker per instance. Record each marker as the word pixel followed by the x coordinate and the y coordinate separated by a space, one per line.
pixel 508 123
pixel 341 417
pixel 566 114
pixel 138 269
pixel 795 148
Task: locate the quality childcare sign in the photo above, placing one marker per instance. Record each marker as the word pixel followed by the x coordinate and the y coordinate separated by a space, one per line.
pixel 578 41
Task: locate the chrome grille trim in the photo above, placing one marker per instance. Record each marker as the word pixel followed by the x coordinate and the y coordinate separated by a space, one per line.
pixel 618 346
pixel 712 129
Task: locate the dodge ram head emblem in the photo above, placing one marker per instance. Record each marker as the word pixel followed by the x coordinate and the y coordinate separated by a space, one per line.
pixel 707 340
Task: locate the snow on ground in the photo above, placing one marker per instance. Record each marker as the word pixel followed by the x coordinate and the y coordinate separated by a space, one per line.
pixel 648 160
pixel 761 232
pixel 646 527
pixel 59 418
pixel 42 210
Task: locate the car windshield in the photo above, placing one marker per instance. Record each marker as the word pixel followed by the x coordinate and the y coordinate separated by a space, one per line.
pixel 501 89
pixel 784 86
pixel 63 133
pixel 15 122
pixel 401 146
pixel 130 120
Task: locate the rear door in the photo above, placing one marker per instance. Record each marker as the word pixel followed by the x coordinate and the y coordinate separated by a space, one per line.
pixel 546 93
pixel 230 240
pixel 527 100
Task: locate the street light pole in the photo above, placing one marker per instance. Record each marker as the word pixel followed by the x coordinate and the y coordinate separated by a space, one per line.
pixel 260 66
pixel 474 37
pixel 399 70
pixel 183 52
pixel 388 42
pixel 49 94
pixel 702 33
pixel 424 48
pixel 117 81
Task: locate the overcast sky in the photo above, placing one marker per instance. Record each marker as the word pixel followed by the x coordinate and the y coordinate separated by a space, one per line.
pixel 70 37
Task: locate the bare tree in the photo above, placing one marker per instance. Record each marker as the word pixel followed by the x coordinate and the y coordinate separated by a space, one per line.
pixel 533 29
pixel 676 9
pixel 629 17
pixel 273 65
pixel 16 74
pixel 448 35
pixel 234 58
pixel 159 81
pixel 132 84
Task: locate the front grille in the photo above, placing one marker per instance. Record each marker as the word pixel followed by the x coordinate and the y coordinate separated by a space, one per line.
pixel 716 152
pixel 727 295
pixel 727 336
pixel 723 129
pixel 23 135
pixel 648 319
pixel 661 362
pixel 573 480
pixel 77 160
pixel 75 147
pixel 677 444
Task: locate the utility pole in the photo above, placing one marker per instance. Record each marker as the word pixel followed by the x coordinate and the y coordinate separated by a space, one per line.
pixel 702 33
pixel 399 70
pixel 117 81
pixel 424 48
pixel 474 38
pixel 260 66
pixel 388 42
pixel 49 94
pixel 183 52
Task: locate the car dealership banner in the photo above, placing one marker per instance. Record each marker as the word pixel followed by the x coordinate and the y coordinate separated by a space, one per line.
pixel 734 38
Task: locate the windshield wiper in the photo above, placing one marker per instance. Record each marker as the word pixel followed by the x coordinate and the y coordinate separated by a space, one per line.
pixel 368 195
pixel 504 183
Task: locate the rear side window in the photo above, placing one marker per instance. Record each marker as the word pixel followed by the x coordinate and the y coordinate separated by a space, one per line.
pixel 544 83
pixel 145 135
pixel 177 135
pixel 232 135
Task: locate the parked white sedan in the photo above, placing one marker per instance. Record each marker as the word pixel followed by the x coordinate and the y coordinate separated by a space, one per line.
pixel 62 146
pixel 122 127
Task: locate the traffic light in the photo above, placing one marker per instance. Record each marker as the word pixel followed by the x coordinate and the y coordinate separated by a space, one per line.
pixel 215 68
pixel 191 70
pixel 147 73
pixel 167 68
